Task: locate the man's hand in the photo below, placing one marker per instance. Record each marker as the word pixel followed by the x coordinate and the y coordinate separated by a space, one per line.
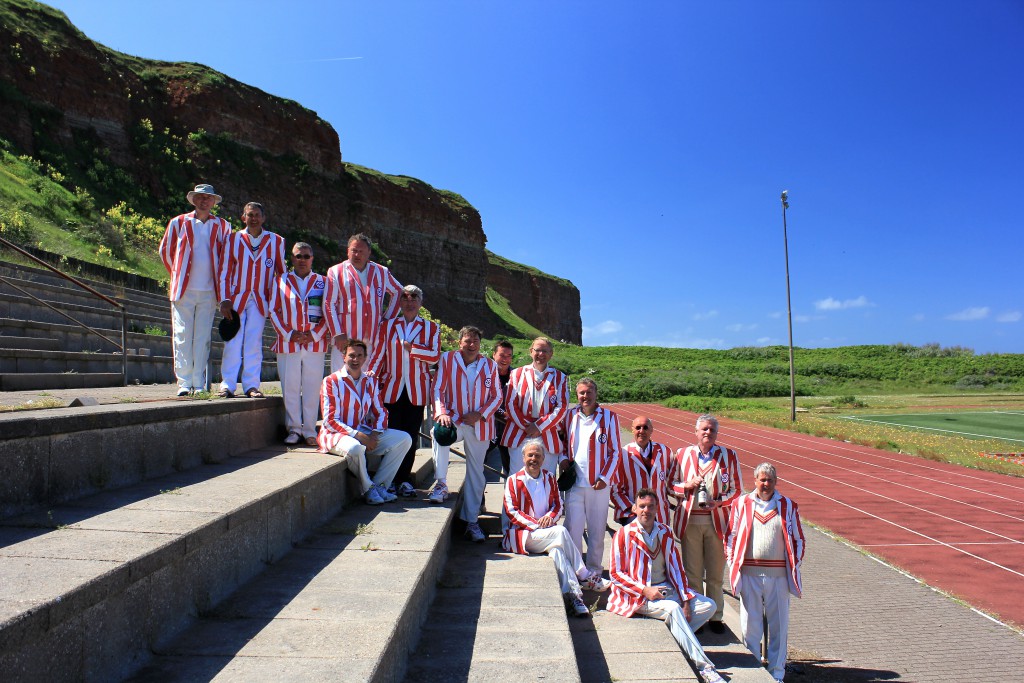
pixel 687 610
pixel 532 430
pixel 545 522
pixel 444 420
pixel 407 345
pixel 341 342
pixel 655 592
pixel 601 484
pixel 693 483
pixel 369 440
pixel 471 418
pixel 225 310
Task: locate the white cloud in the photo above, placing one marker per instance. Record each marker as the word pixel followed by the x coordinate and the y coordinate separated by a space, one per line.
pixel 764 341
pixel 918 317
pixel 705 316
pixel 607 327
pixel 1009 317
pixel 741 327
pixel 974 313
pixel 775 315
pixel 831 304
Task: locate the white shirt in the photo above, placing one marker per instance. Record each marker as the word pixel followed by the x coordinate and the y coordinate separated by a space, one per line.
pixel 585 428
pixel 538 490
pixel 201 266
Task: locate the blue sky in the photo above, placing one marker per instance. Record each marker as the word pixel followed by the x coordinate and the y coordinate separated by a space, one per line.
pixel 639 149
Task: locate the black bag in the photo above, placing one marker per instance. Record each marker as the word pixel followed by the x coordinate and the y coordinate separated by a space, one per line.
pixel 567 479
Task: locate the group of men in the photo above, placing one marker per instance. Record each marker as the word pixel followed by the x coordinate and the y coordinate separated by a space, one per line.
pixel 559 458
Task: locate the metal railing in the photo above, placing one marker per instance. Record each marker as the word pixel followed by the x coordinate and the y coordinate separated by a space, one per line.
pixel 123 346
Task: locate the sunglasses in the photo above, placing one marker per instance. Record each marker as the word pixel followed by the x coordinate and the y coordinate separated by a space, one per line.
pixel 642 428
pixel 302 256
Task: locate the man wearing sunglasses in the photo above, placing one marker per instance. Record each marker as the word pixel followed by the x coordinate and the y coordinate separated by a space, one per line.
pixel 645 464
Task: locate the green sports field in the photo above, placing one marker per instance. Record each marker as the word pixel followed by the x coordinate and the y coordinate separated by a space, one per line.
pixel 1006 425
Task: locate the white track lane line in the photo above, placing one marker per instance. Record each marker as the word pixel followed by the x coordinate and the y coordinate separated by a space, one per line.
pixel 930 429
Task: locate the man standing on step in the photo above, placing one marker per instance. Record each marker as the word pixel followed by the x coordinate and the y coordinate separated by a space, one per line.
pixel 355 426
pixel 467 393
pixel 706 480
pixel 645 464
pixel 194 252
pixel 536 402
pixel 502 357
pixel 592 435
pixel 405 349
pixel 533 507
pixel 647 579
pixel 255 261
pixel 765 548
pixel 296 312
pixel 354 300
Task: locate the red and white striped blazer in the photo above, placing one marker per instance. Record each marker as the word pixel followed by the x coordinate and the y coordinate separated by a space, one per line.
pixel 456 394
pixel 633 475
pixel 604 447
pixel 741 519
pixel 252 274
pixel 354 310
pixel 630 570
pixel 723 472
pixel 519 406
pixel 176 253
pixel 290 312
pixel 386 360
pixel 346 405
pixel 524 512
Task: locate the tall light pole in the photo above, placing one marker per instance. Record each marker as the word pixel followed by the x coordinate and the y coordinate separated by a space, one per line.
pixel 789 310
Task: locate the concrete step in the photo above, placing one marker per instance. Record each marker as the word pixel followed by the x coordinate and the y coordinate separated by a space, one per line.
pixel 497 616
pixel 89 590
pixel 58 380
pixel 69 293
pixel 345 605
pixel 51 457
pixel 8 341
pixel 153 294
pixel 97 314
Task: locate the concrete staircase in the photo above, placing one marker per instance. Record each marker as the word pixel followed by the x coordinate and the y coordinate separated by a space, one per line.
pixel 41 349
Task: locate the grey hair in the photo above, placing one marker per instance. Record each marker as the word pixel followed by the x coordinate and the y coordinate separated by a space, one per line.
pixel 710 419
pixel 256 205
pixel 533 442
pixel 766 468
pixel 589 381
pixel 543 340
pixel 302 245
pixel 414 291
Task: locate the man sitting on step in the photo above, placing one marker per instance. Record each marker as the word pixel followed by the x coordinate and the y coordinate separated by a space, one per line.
pixel 355 425
pixel 533 507
pixel 648 579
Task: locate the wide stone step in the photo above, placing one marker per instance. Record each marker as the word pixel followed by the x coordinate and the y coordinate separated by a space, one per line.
pixel 345 605
pixel 155 294
pixel 68 293
pixel 88 590
pixel 37 343
pixel 58 380
pixel 99 315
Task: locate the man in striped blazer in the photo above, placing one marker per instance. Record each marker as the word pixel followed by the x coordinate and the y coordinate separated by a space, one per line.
pixel 647 579
pixel 533 507
pixel 255 261
pixel 645 464
pixel 355 426
pixel 765 548
pixel 467 393
pixel 194 251
pixel 354 301
pixel 405 349
pixel 536 401
pixel 701 530
pixel 296 312
pixel 593 446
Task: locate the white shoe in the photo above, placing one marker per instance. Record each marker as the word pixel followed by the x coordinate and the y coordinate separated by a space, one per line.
pixel 406 490
pixel 709 675
pixel 579 608
pixel 372 497
pixel 595 582
pixel 475 533
pixel 439 494
pixel 385 494
pixel 292 439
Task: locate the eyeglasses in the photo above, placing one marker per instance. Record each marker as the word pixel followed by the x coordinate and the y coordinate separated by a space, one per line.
pixel 302 256
pixel 642 428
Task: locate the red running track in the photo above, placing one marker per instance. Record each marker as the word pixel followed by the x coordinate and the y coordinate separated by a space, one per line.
pixel 957 529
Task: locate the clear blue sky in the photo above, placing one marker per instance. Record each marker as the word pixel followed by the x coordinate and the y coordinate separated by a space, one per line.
pixel 639 149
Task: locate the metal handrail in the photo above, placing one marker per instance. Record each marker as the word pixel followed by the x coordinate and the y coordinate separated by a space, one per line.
pixel 123 346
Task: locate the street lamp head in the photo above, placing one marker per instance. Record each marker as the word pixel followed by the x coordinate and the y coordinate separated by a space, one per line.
pixel 785 199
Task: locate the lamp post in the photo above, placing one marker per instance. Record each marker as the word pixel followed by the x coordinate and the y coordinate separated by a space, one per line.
pixel 789 310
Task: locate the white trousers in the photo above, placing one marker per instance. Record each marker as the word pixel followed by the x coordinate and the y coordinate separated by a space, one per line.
pixel 556 543
pixel 391 447
pixel 192 327
pixel 671 612
pixel 475 481
pixel 244 351
pixel 585 507
pixel 762 596
pixel 301 375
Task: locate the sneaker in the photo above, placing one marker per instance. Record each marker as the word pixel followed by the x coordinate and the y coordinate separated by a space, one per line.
pixel 372 497
pixel 475 533
pixel 183 392
pixel 439 494
pixel 385 494
pixel 579 608
pixel 709 675
pixel 595 582
pixel 292 439
pixel 406 490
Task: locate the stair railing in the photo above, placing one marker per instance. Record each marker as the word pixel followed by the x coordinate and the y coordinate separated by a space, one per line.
pixel 123 346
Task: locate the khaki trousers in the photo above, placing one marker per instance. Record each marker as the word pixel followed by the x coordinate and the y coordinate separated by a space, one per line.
pixel 704 561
